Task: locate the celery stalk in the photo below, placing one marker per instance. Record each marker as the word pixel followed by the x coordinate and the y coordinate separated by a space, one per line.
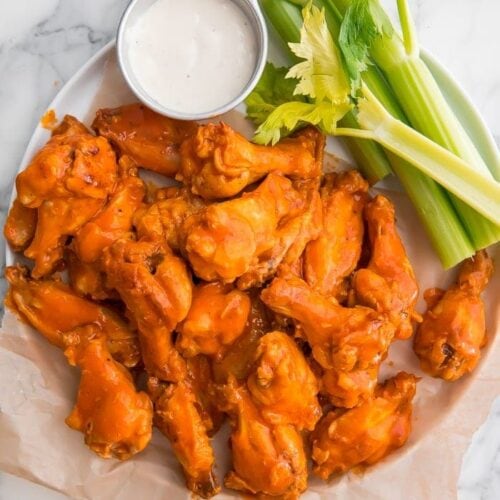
pixel 368 155
pixel 443 228
pixel 477 190
pixel 428 112
pixel 430 200
pixel 286 20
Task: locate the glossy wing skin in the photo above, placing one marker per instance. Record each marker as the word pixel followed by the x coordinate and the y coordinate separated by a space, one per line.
pixel 202 379
pixel 364 435
pixel 20 226
pixel 281 383
pixel 151 139
pixel 157 290
pixel 342 339
pixel 114 417
pixel 239 357
pixel 72 163
pixel 347 389
pixel 267 459
pixel 115 219
pixel 388 284
pixel 225 240
pixel 87 279
pixel 37 300
pixel 162 220
pixel 178 417
pixel 291 238
pixel 217 317
pixel 333 256
pixel 449 339
pixel 218 163
pixel 57 220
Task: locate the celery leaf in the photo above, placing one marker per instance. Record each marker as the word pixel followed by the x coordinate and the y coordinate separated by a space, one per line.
pixel 321 75
pixel 321 78
pixel 272 90
pixel 288 117
pixel 364 21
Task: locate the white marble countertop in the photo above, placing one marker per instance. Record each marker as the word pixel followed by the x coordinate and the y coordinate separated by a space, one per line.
pixel 43 42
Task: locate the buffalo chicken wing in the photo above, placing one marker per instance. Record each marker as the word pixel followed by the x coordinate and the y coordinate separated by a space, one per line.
pixel 388 283
pixel 218 163
pixel 281 383
pixel 37 300
pixel 239 357
pixel 333 256
pixel 162 220
pixel 449 339
pixel 73 163
pixel 344 439
pixel 115 219
pixel 115 418
pixel 342 339
pixel 151 139
pixel 156 288
pixel 217 317
pixel 67 182
pixel 226 240
pixel 177 415
pixel 267 459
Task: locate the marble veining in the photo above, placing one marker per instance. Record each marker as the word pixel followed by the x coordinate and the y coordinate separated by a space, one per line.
pixel 43 42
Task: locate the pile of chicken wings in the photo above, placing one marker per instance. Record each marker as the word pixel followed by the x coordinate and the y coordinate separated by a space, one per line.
pixel 256 290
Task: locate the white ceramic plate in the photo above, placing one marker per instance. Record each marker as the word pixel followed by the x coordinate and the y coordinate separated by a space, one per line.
pixel 99 84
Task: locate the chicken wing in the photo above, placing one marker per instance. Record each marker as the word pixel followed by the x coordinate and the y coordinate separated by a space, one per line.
pixel 388 284
pixel 364 435
pixel 163 219
pixel 291 238
pixel 151 139
pixel 178 417
pixel 267 459
pixel 282 385
pixel 333 256
pixel 87 279
pixel 115 219
pixel 20 226
pixel 217 162
pixel 37 300
pixel 58 219
pixel 217 317
pixel 342 339
pixel 225 240
pixel 239 357
pixel 72 163
pixel 114 417
pixel 449 339
pixel 156 288
pixel 347 389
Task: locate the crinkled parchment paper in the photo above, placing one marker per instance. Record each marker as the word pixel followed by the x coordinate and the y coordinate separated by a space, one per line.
pixel 38 390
